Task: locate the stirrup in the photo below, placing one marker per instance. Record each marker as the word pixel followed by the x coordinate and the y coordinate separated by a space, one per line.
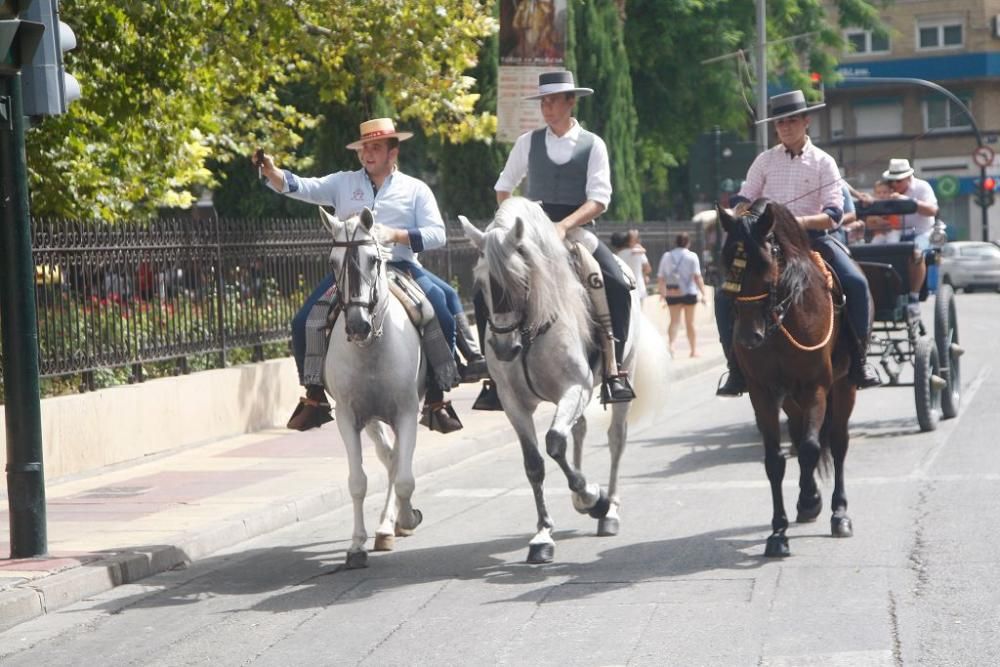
pixel 488 398
pixel 734 384
pixel 309 414
pixel 617 389
pixel 440 417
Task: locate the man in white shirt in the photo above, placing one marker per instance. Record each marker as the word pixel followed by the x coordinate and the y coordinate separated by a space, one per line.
pixel 407 214
pixel 917 226
pixel 568 172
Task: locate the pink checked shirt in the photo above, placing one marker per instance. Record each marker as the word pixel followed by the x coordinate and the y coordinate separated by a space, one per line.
pixel 806 184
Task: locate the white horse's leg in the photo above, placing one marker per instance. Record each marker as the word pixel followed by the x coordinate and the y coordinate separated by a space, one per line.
pixel 406 441
pixel 586 497
pixel 385 537
pixel 357 482
pixel 617 435
pixel 541 548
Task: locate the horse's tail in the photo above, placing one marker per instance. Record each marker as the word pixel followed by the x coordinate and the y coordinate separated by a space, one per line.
pixel 652 370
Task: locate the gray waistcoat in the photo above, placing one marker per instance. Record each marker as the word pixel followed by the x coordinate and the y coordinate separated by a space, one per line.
pixel 558 184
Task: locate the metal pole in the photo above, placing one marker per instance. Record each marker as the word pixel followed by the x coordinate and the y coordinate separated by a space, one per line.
pixel 25 477
pixel 761 74
pixel 947 93
pixel 716 159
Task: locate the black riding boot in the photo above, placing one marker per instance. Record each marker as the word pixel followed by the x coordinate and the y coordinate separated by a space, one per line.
pixel 475 363
pixel 735 384
pixel 488 398
pixel 862 373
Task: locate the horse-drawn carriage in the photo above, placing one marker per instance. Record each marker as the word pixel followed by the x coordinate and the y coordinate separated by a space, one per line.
pixel 901 337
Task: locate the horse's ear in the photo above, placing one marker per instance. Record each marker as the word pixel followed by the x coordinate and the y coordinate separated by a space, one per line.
pixel 517 232
pixel 725 218
pixel 367 218
pixel 765 222
pixel 475 235
pixel 329 220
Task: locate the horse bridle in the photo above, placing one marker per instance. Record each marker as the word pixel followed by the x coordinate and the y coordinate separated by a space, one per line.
pixel 775 308
pixel 350 274
pixel 529 333
pixel 779 309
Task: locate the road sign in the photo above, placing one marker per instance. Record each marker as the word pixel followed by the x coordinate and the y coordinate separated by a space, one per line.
pixel 983 156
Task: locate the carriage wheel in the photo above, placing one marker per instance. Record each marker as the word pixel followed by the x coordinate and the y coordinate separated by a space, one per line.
pixel 926 384
pixel 949 352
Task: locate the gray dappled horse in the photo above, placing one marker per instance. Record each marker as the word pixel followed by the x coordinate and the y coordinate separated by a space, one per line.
pixel 541 349
pixel 375 372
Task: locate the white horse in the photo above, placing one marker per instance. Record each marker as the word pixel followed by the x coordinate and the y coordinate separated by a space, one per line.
pixel 375 372
pixel 541 349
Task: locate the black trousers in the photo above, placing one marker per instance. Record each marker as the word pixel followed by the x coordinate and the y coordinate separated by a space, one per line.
pixel 619 300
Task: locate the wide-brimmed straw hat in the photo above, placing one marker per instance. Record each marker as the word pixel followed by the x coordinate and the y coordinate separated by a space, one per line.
pixel 378 128
pixel 553 83
pixel 899 168
pixel 788 104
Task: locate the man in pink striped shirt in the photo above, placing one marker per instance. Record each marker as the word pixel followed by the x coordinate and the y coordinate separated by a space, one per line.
pixel 806 180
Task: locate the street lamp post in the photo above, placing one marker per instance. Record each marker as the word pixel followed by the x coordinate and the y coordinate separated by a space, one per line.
pixel 961 105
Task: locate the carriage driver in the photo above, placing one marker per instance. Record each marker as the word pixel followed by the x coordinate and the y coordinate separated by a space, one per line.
pixel 807 180
pixel 407 212
pixel 570 176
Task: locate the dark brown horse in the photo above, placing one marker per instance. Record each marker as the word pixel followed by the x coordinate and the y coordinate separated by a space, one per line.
pixel 786 342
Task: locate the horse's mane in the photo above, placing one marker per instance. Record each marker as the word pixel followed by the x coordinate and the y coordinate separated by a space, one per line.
pixel 541 262
pixel 800 272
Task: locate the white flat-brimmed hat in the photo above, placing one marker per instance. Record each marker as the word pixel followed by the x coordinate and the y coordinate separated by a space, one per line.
pixel 378 128
pixel 899 168
pixel 788 104
pixel 552 83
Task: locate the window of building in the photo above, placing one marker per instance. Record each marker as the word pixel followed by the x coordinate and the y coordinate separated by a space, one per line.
pixel 940 34
pixel 865 41
pixel 878 118
pixel 941 113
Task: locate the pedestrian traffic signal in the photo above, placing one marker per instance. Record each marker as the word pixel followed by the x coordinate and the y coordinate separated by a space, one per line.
pixel 985 191
pixel 46 86
pixel 19 35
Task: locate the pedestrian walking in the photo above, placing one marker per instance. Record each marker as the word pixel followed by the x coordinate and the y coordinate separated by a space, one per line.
pixel 681 286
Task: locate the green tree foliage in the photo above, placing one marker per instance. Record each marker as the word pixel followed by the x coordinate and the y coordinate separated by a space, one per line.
pixel 601 62
pixel 173 88
pixel 677 97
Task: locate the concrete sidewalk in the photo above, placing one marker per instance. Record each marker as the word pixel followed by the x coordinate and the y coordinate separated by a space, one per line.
pixel 121 524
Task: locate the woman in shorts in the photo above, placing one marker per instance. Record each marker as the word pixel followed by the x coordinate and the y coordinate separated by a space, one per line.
pixel 681 286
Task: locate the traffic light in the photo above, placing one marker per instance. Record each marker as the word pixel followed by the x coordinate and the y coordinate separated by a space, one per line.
pixel 985 191
pixel 19 35
pixel 817 84
pixel 45 85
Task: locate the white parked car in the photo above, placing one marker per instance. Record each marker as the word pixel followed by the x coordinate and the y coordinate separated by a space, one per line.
pixel 970 265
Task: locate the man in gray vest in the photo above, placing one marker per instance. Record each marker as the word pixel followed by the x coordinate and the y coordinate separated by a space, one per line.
pixel 569 173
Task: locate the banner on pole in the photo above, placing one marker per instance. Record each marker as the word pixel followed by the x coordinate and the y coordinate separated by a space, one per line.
pixel 532 41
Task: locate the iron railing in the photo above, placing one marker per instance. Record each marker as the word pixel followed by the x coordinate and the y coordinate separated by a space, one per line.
pixel 131 293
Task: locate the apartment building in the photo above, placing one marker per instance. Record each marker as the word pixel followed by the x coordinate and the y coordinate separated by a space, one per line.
pixel 953 43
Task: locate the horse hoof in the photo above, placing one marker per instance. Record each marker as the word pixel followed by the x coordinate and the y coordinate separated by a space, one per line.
pixel 542 552
pixel 808 514
pixel 385 542
pixel 840 526
pixel 607 526
pixel 406 532
pixel 777 547
pixel 357 560
pixel 601 507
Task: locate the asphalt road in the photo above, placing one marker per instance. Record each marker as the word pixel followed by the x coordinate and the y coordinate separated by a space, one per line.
pixel 685 583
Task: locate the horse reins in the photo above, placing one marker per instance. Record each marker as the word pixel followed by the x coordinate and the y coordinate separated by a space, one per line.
pixel 779 310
